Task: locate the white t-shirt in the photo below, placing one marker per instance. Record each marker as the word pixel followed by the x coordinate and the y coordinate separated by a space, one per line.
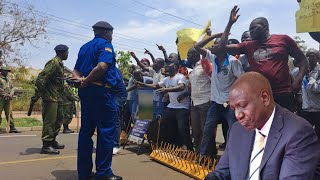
pixel 221 80
pixel 133 95
pixel 168 82
pixel 157 77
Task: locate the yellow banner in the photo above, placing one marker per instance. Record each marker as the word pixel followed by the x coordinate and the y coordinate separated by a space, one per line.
pixel 308 16
pixel 188 37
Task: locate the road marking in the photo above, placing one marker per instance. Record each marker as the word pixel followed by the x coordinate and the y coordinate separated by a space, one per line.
pixel 39 159
pixel 10 136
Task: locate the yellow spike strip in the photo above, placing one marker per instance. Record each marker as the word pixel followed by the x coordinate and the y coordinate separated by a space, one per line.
pixel 164 152
pixel 200 158
pixel 213 165
pixel 153 151
pixel 181 159
pixel 191 162
pixel 204 163
pixel 208 165
pixel 184 159
pixel 195 162
pixel 188 161
pixel 170 153
pixel 173 154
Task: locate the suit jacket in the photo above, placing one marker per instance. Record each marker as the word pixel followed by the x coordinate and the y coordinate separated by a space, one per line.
pixel 292 151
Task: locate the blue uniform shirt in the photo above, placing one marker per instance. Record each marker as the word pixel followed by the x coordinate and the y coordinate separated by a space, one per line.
pixel 95 51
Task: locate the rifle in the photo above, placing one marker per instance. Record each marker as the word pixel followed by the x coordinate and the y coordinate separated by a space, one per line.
pixel 32 102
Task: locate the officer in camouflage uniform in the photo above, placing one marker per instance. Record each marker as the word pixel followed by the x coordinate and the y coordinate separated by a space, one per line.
pixel 49 86
pixel 68 106
pixel 6 94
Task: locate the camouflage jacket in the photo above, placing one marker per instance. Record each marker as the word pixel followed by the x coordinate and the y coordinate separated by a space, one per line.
pixel 49 83
pixel 69 96
pixel 6 87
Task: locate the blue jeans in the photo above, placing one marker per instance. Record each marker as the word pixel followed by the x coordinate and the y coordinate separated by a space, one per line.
pixel 215 113
pixel 133 108
pixel 120 101
pixel 98 110
pixel 158 107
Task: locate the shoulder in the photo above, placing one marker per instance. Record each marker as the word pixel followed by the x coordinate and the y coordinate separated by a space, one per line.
pixel 234 61
pixel 281 38
pixel 209 55
pixel 52 62
pixel 180 76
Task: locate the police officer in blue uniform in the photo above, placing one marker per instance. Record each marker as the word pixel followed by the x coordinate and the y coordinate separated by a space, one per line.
pixel 96 70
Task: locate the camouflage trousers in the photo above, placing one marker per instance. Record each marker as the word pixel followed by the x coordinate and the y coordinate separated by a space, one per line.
pixel 5 105
pixel 67 113
pixel 52 115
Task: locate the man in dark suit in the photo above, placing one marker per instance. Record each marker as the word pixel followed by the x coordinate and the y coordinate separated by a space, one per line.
pixel 268 141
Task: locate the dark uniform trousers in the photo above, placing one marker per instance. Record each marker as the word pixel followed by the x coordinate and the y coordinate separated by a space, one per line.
pixel 52 115
pixel 98 109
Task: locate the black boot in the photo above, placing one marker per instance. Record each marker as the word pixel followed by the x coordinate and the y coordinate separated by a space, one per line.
pixel 14 130
pixel 48 149
pixel 113 177
pixel 66 129
pixel 56 145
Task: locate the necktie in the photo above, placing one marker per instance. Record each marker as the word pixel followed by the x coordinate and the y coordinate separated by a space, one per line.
pixel 256 156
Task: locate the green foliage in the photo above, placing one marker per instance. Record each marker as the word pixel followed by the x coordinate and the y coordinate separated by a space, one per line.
pixel 25 90
pixel 23 122
pixel 123 62
pixel 301 44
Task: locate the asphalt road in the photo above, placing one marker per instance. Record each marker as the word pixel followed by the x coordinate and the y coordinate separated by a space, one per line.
pixel 20 159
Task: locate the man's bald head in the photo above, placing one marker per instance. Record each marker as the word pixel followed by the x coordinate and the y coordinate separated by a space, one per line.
pixel 193 56
pixel 137 74
pixel 259 29
pixel 253 82
pixel 251 98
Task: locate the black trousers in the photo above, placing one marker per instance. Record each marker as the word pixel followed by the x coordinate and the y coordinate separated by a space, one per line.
pixel 175 127
pixel 285 100
pixel 314 119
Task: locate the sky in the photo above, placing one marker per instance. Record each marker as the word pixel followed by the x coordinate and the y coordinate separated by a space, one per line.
pixel 143 24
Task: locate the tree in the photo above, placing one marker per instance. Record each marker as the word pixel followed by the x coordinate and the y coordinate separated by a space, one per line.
pixel 301 44
pixel 19 24
pixel 123 62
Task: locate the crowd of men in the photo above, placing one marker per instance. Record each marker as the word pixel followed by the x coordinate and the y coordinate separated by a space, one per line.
pixel 247 86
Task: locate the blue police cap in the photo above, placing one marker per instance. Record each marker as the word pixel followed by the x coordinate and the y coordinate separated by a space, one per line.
pixel 61 47
pixel 102 25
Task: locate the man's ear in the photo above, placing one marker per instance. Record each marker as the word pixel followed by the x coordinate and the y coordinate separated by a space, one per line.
pixel 265 97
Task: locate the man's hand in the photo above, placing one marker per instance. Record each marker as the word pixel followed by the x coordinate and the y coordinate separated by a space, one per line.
pixel 162 91
pixel 234 15
pixel 139 84
pixel 209 32
pixel 133 54
pixel 161 48
pixel 146 51
pixel 180 97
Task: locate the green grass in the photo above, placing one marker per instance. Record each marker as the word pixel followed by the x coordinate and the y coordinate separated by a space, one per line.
pixel 22 122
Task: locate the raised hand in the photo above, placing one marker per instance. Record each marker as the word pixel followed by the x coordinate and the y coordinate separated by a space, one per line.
pixel 234 14
pixel 146 51
pixel 161 48
pixel 132 54
pixel 209 32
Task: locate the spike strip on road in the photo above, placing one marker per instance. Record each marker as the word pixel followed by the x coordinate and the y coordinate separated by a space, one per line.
pixel 185 161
